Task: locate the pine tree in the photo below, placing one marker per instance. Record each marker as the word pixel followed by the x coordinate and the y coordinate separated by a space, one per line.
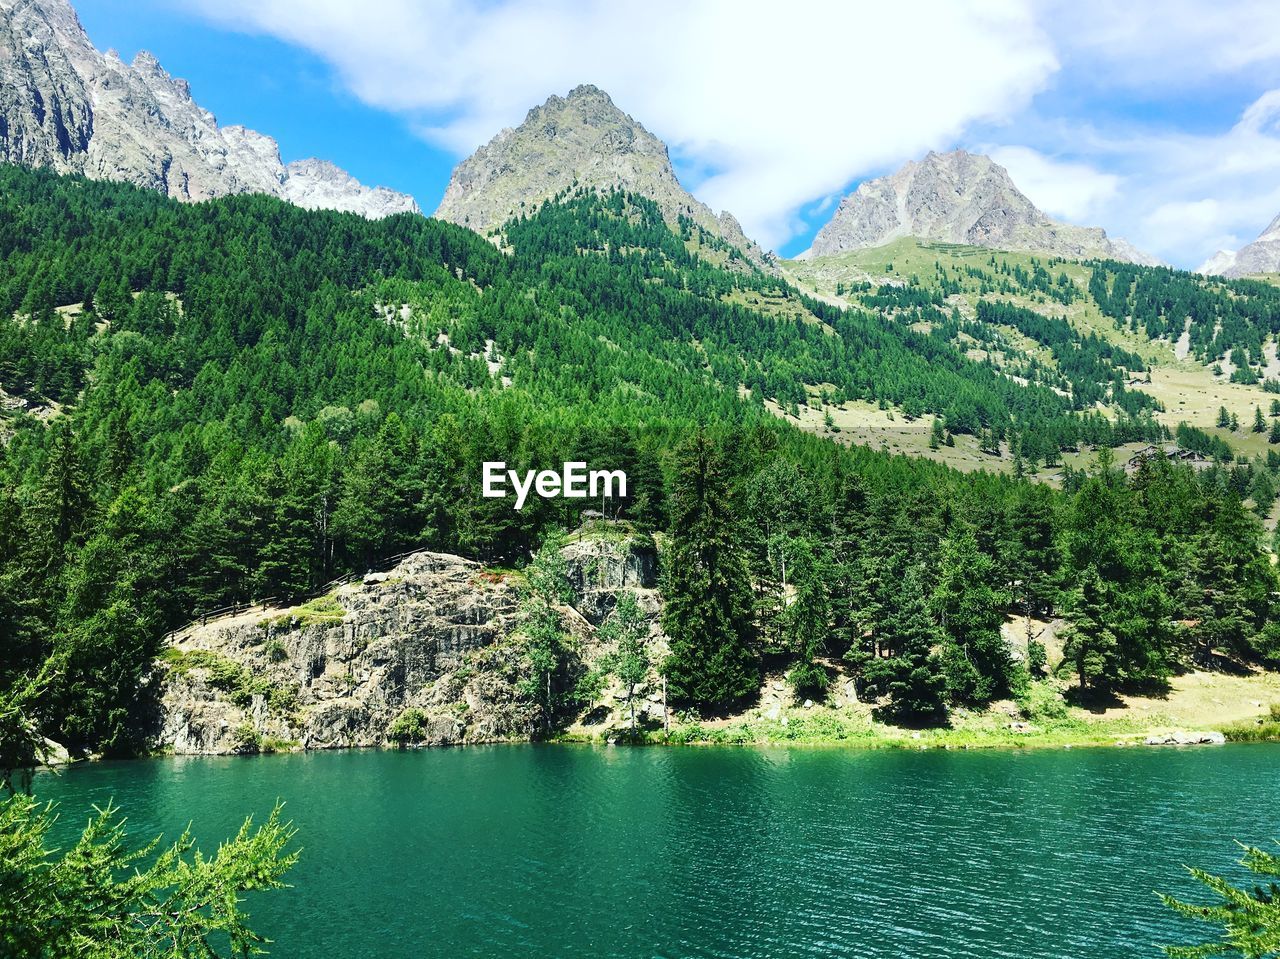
pixel 807 620
pixel 970 609
pixel 936 434
pixel 1259 423
pixel 707 613
pixel 1090 643
pixel 912 678
pixel 1250 918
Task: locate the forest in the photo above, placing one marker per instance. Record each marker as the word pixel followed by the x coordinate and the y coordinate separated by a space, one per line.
pixel 215 403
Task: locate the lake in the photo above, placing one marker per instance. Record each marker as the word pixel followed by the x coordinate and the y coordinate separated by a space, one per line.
pixel 733 852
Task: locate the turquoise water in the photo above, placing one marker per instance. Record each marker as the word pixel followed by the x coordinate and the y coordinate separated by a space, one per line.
pixel 575 851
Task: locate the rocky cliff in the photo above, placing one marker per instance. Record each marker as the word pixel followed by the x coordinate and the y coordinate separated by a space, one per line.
pixel 1260 256
pixel 581 140
pixel 66 106
pixel 958 197
pixel 433 643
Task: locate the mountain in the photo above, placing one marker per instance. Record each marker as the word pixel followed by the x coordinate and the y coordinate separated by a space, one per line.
pixel 580 140
pixel 958 197
pixel 320 185
pixel 66 106
pixel 1260 256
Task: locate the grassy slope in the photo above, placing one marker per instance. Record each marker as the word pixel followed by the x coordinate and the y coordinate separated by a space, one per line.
pixel 1236 705
pixel 1188 390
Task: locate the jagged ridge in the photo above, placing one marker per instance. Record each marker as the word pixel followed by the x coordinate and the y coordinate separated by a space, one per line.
pixel 580 140
pixel 65 105
pixel 958 197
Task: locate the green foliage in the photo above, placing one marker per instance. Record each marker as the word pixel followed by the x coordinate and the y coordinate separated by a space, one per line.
pixel 627 628
pixel 911 675
pixel 809 680
pixel 409 727
pixel 258 399
pixel 707 592
pixel 1250 919
pixel 1041 702
pixel 106 899
pixel 1090 644
pixel 970 606
pixel 552 672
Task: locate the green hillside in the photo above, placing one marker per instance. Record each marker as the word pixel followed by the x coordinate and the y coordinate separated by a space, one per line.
pixel 214 403
pixel 1182 347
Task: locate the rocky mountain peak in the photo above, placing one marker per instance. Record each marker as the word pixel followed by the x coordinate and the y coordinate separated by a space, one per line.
pixel 320 184
pixel 957 197
pixel 66 106
pixel 580 139
pixel 1260 256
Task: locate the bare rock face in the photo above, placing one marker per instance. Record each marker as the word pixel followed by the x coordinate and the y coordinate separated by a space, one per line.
pixel 1260 256
pixel 338 672
pixel 958 197
pixel 66 106
pixel 602 568
pixel 435 639
pixel 320 185
pixel 581 140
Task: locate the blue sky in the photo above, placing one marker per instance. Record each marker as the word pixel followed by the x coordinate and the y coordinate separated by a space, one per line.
pixel 1154 120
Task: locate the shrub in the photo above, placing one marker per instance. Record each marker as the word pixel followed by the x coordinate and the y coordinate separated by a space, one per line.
pixel 809 680
pixel 247 739
pixel 1037 657
pixel 409 727
pixel 1041 702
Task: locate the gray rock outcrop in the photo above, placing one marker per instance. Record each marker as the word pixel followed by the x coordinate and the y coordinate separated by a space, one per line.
pixel 436 638
pixel 958 197
pixel 581 140
pixel 65 106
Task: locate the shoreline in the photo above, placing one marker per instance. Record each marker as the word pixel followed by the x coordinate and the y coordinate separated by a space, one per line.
pixel 697 737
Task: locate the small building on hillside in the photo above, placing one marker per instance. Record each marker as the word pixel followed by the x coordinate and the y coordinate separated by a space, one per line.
pixel 1169 451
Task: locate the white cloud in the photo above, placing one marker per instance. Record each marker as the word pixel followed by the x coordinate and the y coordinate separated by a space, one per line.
pixel 1076 192
pixel 780 105
pixel 1165 44
pixel 1179 195
pixel 772 110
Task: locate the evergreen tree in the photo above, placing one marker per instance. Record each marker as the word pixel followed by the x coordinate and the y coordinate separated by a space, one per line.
pixel 626 628
pixel 1090 643
pixel 1250 918
pixel 807 620
pixel 971 608
pixel 707 613
pixel 912 676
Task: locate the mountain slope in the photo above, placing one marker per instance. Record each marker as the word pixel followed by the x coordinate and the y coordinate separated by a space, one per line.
pixel 1260 256
pixel 579 140
pixel 66 106
pixel 958 197
pixel 248 399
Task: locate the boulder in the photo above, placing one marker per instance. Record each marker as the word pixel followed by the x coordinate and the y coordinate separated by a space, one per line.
pixel 1181 738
